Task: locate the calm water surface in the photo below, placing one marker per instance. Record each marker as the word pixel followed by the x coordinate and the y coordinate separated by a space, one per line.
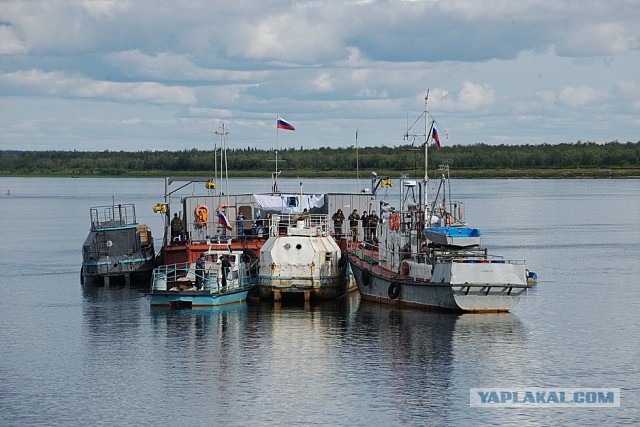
pixel 74 356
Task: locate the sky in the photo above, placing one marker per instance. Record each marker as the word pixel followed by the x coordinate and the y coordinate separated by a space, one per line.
pixel 135 75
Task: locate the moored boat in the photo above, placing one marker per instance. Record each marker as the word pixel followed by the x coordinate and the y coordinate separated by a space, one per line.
pixel 220 277
pixel 117 247
pixel 304 260
pixel 427 256
pixel 213 214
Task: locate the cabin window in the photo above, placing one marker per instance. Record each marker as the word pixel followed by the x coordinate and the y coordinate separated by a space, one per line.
pixel 292 202
pixel 246 210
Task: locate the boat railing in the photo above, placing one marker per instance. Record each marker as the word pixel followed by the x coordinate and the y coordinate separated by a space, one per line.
pixel 184 275
pixel 214 230
pixel 372 254
pixel 287 223
pixel 451 214
pixel 121 215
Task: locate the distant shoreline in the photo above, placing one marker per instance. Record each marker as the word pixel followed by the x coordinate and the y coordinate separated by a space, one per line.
pixel 561 173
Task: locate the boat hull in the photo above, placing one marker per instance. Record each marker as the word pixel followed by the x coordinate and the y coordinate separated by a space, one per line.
pixel 138 269
pixel 375 284
pixel 320 288
pixel 307 261
pixel 188 299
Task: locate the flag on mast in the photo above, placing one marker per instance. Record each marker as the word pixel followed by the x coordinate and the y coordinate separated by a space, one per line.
pixel 222 220
pixel 283 124
pixel 434 135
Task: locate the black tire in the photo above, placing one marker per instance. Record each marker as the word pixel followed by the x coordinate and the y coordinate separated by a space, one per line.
pixel 366 277
pixel 394 290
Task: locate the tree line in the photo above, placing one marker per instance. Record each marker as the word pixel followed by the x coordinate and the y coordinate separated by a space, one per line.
pixel 339 162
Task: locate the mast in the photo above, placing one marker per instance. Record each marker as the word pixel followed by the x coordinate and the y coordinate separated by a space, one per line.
pixel 223 157
pixel 357 165
pixel 274 175
pixel 426 154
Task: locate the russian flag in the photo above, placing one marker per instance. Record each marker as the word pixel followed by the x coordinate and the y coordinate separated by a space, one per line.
pixel 283 124
pixel 222 219
pixel 434 135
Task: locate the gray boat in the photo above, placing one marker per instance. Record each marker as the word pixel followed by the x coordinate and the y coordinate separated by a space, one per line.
pixel 427 256
pixel 117 247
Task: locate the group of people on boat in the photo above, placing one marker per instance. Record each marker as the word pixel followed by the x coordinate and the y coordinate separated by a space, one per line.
pixel 369 225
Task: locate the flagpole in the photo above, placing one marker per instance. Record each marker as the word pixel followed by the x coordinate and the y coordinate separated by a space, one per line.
pixel 357 165
pixel 426 155
pixel 275 173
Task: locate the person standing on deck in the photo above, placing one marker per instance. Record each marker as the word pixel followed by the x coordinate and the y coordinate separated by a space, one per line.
pixel 338 219
pixel 176 228
pixel 374 219
pixel 365 226
pixel 240 223
pixel 226 266
pixel 200 271
pixel 353 224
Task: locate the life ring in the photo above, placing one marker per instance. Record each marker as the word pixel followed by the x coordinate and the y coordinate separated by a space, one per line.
pixel 201 212
pixel 394 290
pixel 394 221
pixel 366 277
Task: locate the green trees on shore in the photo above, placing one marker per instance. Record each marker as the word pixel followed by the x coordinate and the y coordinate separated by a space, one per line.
pixel 475 160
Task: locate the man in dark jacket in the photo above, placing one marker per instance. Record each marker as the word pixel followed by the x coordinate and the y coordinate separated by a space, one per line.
pixel 338 219
pixel 226 266
pixel 374 219
pixel 365 225
pixel 200 271
pixel 353 224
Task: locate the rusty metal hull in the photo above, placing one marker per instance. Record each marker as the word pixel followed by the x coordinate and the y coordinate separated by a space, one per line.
pixel 320 289
pixel 306 260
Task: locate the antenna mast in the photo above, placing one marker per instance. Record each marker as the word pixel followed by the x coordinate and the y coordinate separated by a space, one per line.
pixel 223 137
pixel 357 164
pixel 426 155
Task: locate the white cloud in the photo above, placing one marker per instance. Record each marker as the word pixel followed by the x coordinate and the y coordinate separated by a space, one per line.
pixel 470 97
pixel 37 82
pixel 577 97
pixel 105 9
pixel 170 66
pixel 10 43
pixel 607 38
pixel 521 68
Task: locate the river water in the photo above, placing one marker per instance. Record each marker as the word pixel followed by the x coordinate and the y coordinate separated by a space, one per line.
pixel 93 356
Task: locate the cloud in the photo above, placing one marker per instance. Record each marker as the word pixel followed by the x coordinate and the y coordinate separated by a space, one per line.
pixel 174 67
pixel 577 97
pixel 606 38
pixel 37 82
pixel 519 68
pixel 470 97
pixel 10 43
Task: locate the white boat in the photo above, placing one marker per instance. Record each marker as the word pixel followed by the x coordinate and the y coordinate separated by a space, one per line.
pixel 434 260
pixel 304 260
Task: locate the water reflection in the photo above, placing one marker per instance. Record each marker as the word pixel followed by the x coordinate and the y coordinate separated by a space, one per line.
pixel 410 351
